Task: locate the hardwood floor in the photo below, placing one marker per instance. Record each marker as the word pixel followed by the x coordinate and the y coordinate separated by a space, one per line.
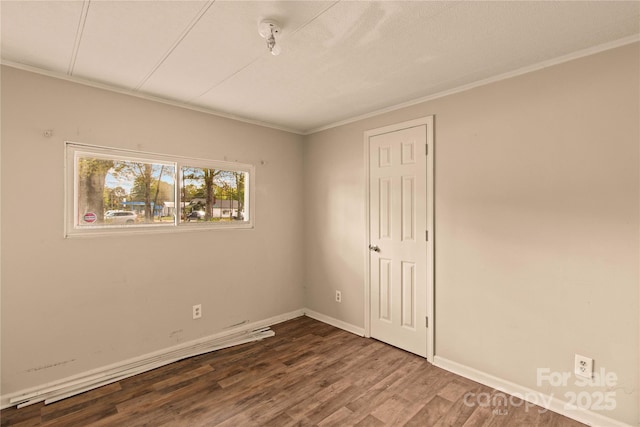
pixel 310 373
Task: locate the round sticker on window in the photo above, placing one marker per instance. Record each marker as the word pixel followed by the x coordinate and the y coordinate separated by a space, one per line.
pixel 89 217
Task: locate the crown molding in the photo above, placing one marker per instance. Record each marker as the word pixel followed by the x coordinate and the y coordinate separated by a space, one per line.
pixel 130 92
pixel 524 70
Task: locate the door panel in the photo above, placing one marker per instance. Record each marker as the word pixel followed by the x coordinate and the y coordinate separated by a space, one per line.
pixel 408 294
pixel 408 216
pixel 385 208
pixel 385 290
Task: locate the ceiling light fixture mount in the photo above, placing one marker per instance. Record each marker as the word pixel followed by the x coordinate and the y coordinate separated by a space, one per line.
pixel 268 29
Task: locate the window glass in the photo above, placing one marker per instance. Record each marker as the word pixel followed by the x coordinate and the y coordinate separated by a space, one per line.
pixel 213 195
pixel 118 190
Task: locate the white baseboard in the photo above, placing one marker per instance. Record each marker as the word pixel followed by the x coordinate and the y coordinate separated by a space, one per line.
pixel 547 401
pixel 334 322
pixel 275 319
pixel 66 387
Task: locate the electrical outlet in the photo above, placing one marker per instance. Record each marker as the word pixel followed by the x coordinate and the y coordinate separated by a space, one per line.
pixel 197 311
pixel 338 296
pixel 583 366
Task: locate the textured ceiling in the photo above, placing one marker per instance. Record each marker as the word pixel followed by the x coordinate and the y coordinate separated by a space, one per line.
pixel 339 60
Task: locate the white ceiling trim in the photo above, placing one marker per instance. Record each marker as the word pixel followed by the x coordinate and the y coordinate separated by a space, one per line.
pixel 173 47
pixel 528 69
pixel 78 39
pixel 565 58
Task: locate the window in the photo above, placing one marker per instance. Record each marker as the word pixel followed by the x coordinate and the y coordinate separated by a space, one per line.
pixel 114 191
pixel 215 195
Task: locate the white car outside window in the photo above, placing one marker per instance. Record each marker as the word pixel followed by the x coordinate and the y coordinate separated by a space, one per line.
pixel 120 217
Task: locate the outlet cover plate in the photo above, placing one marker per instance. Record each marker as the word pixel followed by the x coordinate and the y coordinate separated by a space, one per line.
pixel 197 311
pixel 583 366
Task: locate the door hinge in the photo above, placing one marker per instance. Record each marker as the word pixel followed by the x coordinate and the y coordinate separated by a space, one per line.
pixel 426 322
pixel 426 149
pixel 426 235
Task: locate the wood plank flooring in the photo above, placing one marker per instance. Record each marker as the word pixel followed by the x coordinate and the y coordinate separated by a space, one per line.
pixel 309 374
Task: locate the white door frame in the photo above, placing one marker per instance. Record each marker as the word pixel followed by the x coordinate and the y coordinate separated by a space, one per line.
pixel 428 121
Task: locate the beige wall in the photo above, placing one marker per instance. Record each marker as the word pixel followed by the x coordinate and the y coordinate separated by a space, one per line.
pixel 537 222
pixel 69 305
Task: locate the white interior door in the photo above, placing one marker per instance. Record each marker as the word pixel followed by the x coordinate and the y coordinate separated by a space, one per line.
pixel 398 227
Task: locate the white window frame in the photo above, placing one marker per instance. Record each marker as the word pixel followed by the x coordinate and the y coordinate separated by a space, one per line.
pixel 73 150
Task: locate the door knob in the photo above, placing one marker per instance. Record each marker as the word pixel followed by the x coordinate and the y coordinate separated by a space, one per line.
pixel 374 248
